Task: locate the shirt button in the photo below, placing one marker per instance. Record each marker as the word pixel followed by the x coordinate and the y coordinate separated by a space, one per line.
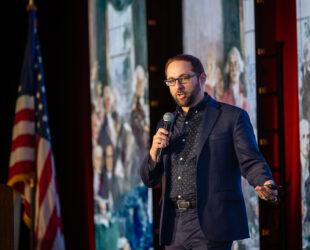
pixel 186 122
pixel 196 111
pixel 179 177
pixel 179 196
pixel 181 159
pixel 183 140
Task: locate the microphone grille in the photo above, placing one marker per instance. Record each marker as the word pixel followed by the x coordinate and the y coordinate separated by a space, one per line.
pixel 168 117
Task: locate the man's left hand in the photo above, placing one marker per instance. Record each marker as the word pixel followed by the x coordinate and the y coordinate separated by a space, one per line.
pixel 266 193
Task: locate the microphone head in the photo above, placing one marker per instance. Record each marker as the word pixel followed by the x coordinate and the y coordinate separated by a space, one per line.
pixel 168 117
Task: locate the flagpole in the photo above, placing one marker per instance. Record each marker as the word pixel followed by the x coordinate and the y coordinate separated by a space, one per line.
pixel 31 6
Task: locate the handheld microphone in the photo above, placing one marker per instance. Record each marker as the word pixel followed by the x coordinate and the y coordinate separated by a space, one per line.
pixel 168 119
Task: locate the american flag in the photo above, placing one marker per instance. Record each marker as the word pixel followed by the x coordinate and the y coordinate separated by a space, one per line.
pixel 31 160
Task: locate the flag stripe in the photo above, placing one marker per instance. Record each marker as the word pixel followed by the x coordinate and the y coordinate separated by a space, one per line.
pixel 50 233
pixel 23 141
pixel 45 179
pixel 22 154
pixel 44 149
pixel 24 102
pixel 24 115
pixel 23 127
pixel 45 210
pixel 19 169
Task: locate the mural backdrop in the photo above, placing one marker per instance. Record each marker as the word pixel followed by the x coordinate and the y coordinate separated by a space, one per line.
pixel 303 34
pixel 120 123
pixel 222 35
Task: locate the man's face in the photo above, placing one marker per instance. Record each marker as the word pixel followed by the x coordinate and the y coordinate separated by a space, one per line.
pixel 109 158
pixel 185 95
pixel 94 127
pixel 234 71
pixel 99 90
pixel 307 57
pixel 139 87
pixel 107 99
pixel 98 163
pixel 304 139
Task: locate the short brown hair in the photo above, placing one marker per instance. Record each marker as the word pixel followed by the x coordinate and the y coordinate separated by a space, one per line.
pixel 195 62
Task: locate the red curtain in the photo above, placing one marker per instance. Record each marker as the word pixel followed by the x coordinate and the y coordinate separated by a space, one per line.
pixel 286 31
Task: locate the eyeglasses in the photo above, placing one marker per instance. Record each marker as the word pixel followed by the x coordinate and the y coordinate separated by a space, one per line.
pixel 182 80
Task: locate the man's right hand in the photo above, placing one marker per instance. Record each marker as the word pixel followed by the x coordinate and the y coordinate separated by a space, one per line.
pixel 160 140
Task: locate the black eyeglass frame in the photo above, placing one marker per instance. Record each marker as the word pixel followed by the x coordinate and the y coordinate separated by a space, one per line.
pixel 180 79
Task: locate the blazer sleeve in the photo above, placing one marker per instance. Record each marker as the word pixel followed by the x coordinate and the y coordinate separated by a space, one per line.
pixel 252 164
pixel 151 177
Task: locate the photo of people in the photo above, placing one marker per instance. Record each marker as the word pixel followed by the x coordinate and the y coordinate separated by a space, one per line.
pixel 120 125
pixel 229 62
pixel 303 35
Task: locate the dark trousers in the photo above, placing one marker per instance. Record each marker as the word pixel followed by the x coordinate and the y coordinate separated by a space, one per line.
pixel 188 235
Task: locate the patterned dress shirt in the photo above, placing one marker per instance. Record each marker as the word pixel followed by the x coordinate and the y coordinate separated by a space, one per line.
pixel 181 181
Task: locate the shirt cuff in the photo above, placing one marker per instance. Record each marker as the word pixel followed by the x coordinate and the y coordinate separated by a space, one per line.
pixel 149 165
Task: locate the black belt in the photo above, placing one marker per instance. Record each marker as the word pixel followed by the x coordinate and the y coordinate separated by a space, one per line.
pixel 183 204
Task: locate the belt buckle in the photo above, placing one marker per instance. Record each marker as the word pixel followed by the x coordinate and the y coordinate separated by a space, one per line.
pixel 184 203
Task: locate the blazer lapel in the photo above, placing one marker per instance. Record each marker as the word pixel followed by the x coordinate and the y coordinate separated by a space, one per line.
pixel 211 114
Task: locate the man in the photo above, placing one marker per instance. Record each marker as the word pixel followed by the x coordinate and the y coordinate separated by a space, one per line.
pixel 305 90
pixel 108 132
pixel 110 189
pixel 208 148
pixel 304 136
pixel 214 82
pixel 139 123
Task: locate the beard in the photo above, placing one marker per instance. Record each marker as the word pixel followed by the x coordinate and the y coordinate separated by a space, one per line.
pixel 189 98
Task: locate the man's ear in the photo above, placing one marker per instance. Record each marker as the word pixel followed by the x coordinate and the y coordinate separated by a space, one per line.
pixel 203 78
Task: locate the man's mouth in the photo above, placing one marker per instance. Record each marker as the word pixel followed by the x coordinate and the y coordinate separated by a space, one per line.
pixel 181 95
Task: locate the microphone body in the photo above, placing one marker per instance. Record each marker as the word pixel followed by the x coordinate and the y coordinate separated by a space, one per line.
pixel 168 120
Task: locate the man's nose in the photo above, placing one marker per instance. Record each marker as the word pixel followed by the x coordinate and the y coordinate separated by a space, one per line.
pixel 178 83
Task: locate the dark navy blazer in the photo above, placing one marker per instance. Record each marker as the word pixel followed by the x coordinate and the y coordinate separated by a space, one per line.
pixel 227 148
